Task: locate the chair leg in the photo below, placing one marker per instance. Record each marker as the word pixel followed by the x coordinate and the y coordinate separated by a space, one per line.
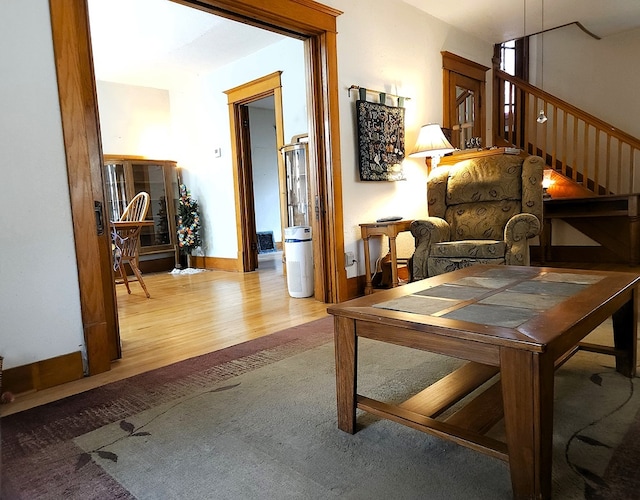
pixel 138 274
pixel 123 275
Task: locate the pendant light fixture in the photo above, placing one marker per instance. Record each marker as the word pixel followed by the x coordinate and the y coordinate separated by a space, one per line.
pixel 542 118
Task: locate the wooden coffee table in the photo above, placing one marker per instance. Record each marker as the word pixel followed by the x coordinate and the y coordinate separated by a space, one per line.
pixel 516 322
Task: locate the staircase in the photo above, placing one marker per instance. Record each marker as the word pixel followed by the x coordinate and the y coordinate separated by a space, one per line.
pixel 592 166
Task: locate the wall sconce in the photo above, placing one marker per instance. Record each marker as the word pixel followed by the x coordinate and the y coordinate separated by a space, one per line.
pixel 431 142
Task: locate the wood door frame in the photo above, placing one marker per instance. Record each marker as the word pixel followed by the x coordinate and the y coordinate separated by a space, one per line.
pixel 83 151
pixel 453 65
pixel 305 19
pixel 237 99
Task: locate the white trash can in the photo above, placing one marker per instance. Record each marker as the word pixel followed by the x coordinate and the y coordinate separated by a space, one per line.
pixel 298 249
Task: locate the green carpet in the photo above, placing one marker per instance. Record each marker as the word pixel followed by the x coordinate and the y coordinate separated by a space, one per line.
pixel 258 421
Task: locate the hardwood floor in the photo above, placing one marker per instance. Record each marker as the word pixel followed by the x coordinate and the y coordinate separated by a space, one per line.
pixel 188 315
pixel 193 314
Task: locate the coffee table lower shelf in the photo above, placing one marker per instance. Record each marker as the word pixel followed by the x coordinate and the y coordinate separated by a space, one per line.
pixel 467 425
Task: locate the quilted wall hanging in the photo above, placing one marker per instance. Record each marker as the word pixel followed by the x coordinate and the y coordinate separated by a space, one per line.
pixel 380 141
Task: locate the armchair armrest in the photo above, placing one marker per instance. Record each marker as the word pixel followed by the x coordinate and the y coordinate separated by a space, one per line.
pixel 426 232
pixel 518 230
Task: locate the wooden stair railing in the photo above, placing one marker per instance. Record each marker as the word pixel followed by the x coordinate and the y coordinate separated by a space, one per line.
pixel 580 146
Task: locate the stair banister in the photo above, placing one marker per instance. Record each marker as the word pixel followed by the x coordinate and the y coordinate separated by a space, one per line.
pixel 582 147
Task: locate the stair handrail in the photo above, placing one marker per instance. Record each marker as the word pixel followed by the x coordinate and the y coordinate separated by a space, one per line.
pixel 514 129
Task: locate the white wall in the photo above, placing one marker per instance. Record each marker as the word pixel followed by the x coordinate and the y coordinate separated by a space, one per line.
pixel 200 121
pixel 135 120
pixel 39 295
pixel 598 76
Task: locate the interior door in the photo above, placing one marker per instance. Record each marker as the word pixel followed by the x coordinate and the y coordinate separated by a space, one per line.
pixel 465 112
pixel 247 215
pixel 463 99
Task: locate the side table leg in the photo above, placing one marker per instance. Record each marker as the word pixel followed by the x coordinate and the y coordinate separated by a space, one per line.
pixel 346 347
pixel 527 393
pixel 368 287
pixel 625 325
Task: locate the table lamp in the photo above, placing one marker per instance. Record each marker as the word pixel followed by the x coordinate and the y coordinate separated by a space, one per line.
pixel 431 142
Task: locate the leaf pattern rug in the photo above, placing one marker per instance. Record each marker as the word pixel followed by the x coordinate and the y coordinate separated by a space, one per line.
pixel 258 420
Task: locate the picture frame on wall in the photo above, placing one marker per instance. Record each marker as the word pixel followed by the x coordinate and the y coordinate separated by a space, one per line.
pixel 380 141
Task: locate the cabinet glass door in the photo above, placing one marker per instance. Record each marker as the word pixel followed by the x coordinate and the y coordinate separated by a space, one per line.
pixel 150 178
pixel 295 157
pixel 116 190
pixel 124 177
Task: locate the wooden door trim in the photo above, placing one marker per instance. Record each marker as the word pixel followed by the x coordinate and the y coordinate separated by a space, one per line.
pixel 466 67
pixel 453 65
pixel 83 149
pixel 237 98
pixel 289 17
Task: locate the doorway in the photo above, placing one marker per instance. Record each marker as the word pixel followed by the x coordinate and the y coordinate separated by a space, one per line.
pixel 239 99
pixel 464 100
pixel 316 24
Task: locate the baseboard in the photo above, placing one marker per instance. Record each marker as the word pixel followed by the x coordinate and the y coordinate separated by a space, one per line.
pixel 215 263
pixel 156 265
pixel 43 374
pixel 355 285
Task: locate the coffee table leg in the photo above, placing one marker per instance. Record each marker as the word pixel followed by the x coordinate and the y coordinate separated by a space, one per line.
pixel 346 346
pixel 625 336
pixel 527 393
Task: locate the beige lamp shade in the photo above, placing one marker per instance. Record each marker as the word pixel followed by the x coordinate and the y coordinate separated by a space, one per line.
pixel 431 142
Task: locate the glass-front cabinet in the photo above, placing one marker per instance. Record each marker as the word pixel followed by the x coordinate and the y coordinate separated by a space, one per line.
pixel 295 159
pixel 125 177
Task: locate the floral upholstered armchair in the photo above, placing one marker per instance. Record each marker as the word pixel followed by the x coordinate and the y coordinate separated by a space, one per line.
pixel 480 211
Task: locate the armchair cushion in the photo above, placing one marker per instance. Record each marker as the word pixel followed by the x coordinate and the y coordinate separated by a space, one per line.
pixel 448 256
pixel 477 249
pixel 446 265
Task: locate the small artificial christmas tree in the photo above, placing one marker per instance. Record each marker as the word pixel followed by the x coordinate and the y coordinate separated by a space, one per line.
pixel 188 222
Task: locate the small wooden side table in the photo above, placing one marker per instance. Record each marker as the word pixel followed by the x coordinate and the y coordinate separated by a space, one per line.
pixel 391 230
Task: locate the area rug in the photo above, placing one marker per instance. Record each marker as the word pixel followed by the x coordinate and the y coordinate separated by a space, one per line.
pixel 258 421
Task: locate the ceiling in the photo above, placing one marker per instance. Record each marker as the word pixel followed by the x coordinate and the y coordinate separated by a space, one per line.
pixel 497 21
pixel 153 42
